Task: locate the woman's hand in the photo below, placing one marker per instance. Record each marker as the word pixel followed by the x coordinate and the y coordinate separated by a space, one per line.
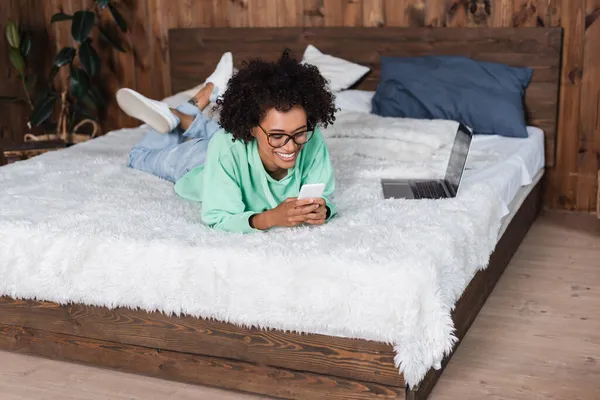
pixel 318 216
pixel 291 212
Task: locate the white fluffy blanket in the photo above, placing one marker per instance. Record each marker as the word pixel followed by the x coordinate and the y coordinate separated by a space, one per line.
pixel 79 226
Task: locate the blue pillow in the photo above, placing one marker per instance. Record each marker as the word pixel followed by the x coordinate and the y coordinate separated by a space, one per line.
pixel 487 97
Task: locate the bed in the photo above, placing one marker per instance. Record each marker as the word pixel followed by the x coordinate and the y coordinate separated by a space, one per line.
pixel 68 293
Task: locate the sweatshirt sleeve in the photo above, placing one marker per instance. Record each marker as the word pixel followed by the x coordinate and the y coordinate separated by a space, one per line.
pixel 222 206
pixel 320 170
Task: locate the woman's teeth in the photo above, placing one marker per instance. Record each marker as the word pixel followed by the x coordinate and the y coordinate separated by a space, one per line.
pixel 287 156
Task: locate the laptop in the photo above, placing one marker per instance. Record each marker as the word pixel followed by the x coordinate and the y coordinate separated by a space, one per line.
pixel 434 188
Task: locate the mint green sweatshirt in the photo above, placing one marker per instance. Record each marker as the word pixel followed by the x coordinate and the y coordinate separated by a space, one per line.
pixel 233 184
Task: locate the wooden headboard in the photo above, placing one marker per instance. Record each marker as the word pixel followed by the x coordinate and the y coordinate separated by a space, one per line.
pixel 194 53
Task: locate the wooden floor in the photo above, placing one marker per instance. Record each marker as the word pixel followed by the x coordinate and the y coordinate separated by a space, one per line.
pixel 537 337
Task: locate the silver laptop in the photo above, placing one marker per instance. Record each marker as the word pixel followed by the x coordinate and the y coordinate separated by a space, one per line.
pixel 434 188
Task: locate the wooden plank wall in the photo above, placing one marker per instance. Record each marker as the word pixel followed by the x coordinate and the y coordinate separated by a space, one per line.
pixel 571 184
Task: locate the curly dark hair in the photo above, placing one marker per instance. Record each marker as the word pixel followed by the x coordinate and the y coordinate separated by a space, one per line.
pixel 261 85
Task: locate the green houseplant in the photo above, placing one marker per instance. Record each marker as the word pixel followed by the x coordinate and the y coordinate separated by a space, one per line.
pixel 80 101
pixel 19 45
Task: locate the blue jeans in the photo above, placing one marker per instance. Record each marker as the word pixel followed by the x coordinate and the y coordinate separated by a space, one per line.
pixel 172 155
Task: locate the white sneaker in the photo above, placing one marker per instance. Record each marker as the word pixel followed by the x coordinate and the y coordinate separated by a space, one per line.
pixel 154 113
pixel 222 73
pixel 220 76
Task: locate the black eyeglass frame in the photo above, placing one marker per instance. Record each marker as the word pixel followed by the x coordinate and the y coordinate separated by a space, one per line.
pixel 292 137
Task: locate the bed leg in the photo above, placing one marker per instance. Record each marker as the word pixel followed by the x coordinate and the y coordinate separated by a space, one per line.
pixel 424 388
pixel 411 394
pixel 416 394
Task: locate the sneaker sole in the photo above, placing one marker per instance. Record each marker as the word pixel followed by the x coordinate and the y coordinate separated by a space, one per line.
pixel 135 107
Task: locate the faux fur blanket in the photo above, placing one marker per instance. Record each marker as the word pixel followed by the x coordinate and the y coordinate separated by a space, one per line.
pixel 78 225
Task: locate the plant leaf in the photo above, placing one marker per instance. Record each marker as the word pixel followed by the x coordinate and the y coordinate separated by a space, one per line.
pixel 60 16
pixel 49 92
pixel 53 73
pixel 79 82
pixel 30 81
pixel 87 101
pixel 17 60
pixel 118 18
pixel 95 96
pixel 42 110
pixel 106 36
pixel 82 110
pixel 89 58
pixel 103 3
pixel 64 56
pixel 83 22
pixel 12 35
pixel 25 44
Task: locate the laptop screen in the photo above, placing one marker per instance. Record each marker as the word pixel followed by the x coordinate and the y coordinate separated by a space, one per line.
pixel 458 158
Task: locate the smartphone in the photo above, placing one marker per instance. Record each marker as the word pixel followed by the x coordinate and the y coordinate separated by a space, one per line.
pixel 311 191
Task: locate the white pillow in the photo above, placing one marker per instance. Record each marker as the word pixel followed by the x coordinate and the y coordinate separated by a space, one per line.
pixel 354 100
pixel 340 73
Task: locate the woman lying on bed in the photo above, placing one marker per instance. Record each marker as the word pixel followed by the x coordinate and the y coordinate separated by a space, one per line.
pixel 247 174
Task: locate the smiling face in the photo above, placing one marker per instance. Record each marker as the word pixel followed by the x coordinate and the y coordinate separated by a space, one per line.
pixel 276 124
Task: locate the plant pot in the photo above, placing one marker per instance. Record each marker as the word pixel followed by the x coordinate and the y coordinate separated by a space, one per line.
pixel 69 138
pixel 31 149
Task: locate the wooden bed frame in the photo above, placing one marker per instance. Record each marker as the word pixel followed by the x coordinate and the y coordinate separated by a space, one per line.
pixel 276 363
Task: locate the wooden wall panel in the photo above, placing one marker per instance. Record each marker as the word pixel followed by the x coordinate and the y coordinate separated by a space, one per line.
pixel 162 15
pixel 263 13
pixel 313 13
pixel 121 70
pixel 334 12
pixel 373 13
pixel 289 13
pixel 143 40
pixel 457 14
pixel 238 14
pixel 527 12
pixel 571 184
pixel 535 13
pixel 502 13
pixel 588 160
pixel 562 179
pixel 436 13
pixel 219 15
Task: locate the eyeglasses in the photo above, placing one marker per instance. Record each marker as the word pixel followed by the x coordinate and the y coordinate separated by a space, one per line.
pixel 277 140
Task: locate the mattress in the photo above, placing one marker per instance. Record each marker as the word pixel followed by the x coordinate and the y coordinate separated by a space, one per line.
pixel 520 162
pixel 78 225
pixel 518 200
pixel 503 163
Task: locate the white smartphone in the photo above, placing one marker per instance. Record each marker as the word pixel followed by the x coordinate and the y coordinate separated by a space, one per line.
pixel 311 191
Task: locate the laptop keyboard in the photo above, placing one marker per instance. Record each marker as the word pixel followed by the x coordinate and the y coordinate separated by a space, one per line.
pixel 428 190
